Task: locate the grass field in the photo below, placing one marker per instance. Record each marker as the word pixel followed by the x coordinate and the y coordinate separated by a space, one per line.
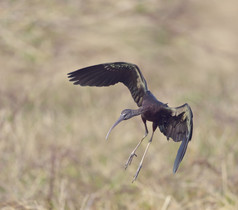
pixel 53 153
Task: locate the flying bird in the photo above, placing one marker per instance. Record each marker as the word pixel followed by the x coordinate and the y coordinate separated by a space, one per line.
pixel 174 122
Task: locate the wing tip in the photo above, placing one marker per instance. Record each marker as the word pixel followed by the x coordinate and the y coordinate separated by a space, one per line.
pixel 180 154
pixel 176 164
pixel 71 76
pixel 175 170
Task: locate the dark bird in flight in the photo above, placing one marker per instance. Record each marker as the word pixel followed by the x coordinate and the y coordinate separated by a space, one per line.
pixel 175 123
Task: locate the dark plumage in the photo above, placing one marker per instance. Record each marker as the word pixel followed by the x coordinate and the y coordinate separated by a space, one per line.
pixel 175 123
pixel 111 73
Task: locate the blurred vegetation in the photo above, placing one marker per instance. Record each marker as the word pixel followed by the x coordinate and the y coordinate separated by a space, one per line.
pixel 52 134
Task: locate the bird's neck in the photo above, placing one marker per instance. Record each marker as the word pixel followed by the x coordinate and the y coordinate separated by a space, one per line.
pixel 136 112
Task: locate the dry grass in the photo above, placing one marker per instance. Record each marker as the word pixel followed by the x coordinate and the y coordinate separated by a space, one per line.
pixel 52 149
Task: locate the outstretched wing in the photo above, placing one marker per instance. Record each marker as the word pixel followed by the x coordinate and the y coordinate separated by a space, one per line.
pixel 111 73
pixel 178 125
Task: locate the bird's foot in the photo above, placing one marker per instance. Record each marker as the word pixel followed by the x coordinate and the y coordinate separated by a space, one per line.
pixel 130 159
pixel 137 172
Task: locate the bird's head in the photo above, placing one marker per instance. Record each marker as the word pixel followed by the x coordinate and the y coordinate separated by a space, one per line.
pixel 125 115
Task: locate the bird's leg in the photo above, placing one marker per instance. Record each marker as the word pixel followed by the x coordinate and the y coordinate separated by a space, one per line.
pixel 147 147
pixel 142 159
pixel 133 153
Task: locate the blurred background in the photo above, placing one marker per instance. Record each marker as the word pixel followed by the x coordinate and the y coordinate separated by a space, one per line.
pixel 53 153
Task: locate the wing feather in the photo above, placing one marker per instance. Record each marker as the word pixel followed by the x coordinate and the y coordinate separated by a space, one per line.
pixel 111 73
pixel 178 125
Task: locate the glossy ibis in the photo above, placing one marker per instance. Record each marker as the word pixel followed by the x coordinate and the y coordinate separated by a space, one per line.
pixel 175 123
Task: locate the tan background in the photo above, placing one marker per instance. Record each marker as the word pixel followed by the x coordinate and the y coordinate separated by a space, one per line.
pixel 53 153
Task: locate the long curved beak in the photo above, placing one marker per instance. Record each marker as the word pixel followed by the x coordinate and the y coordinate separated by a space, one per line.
pixel 115 124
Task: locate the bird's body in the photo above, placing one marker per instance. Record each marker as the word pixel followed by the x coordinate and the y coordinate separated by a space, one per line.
pixel 152 108
pixel 175 123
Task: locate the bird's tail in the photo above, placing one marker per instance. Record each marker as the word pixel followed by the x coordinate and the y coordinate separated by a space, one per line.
pixel 181 151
